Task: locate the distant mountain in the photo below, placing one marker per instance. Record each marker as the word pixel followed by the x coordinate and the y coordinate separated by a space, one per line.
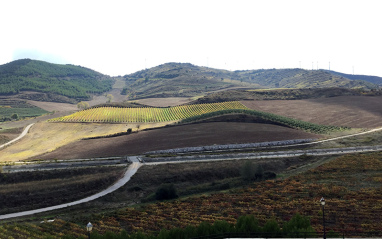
pixel 65 80
pixel 184 79
pixel 181 79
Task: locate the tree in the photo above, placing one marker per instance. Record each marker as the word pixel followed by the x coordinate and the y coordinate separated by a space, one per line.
pixel 247 223
pixel 15 116
pixel 272 228
pixel 298 224
pixel 247 171
pixel 165 192
pixel 109 97
pixel 83 105
pixel 259 172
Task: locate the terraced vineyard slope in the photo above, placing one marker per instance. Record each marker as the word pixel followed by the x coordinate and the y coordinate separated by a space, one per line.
pixel 129 115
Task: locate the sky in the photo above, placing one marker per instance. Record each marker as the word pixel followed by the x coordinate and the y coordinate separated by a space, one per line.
pixel 121 37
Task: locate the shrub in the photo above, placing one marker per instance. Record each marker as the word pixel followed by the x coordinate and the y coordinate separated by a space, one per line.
pixel 165 192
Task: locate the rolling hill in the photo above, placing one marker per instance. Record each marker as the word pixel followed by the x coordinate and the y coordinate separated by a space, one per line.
pixel 186 80
pixel 71 81
pixel 372 79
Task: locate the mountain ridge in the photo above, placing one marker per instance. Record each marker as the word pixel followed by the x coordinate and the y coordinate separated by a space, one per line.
pixel 166 80
pixel 187 80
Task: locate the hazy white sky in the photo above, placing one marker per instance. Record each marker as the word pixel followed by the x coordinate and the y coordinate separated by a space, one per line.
pixel 121 37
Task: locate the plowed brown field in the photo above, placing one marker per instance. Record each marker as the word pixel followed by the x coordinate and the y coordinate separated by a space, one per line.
pixel 352 111
pixel 176 137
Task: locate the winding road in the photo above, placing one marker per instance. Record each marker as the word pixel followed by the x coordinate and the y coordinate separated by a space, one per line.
pixel 131 170
pixel 25 131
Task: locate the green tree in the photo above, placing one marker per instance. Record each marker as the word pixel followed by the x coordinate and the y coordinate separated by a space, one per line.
pixel 297 226
pixel 109 97
pixel 83 105
pixel 247 171
pixel 165 192
pixel 272 229
pixel 247 223
pixel 259 172
pixel 15 116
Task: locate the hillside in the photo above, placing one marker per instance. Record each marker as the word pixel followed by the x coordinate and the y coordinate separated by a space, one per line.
pixel 187 80
pixel 181 79
pixel 372 79
pixel 74 82
pixel 282 94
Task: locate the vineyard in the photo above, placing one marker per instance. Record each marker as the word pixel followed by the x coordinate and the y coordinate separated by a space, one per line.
pixel 141 115
pixel 350 184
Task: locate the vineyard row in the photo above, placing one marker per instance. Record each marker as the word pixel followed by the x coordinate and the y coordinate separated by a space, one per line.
pixel 140 115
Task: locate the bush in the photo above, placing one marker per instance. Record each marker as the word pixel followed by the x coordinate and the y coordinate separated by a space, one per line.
pixel 165 192
pixel 250 172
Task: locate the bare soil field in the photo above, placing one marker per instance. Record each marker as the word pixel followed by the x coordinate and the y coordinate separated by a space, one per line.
pixel 352 111
pixel 164 102
pixel 176 137
pixel 54 106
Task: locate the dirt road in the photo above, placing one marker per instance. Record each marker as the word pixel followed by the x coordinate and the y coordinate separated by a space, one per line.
pixel 19 137
pixel 131 170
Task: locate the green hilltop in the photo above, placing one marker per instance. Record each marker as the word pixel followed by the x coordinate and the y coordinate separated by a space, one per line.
pixel 69 83
pixel 67 80
pixel 186 80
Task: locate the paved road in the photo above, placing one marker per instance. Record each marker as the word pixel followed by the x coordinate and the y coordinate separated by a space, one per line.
pixel 18 137
pixel 131 170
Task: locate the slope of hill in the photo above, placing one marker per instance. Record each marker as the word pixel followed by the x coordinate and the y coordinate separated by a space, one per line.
pixel 372 79
pixel 300 78
pixel 66 80
pixel 183 79
pixel 281 94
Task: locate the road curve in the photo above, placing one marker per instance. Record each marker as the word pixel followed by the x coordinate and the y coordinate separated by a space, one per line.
pixel 131 170
pixel 18 137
